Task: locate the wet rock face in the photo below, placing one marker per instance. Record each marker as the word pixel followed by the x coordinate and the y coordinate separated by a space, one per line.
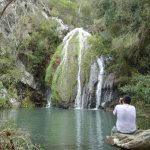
pixel 91 88
pixel 93 77
pixel 108 91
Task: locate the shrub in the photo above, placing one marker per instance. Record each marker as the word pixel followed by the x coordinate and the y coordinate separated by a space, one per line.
pixel 139 88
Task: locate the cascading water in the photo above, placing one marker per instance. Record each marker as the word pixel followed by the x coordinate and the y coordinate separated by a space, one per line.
pixel 48 97
pixel 100 88
pixel 82 44
pixel 100 62
pixel 66 41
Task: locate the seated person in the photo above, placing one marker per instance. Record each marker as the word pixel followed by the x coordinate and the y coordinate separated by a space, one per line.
pixel 126 117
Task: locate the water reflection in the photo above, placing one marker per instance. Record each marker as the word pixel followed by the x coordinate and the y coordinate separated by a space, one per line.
pixel 99 129
pixel 64 129
pixel 92 126
pixel 78 128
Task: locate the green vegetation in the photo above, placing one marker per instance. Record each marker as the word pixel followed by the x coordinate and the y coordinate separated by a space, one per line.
pixel 51 70
pixel 54 63
pixel 126 26
pixel 9 74
pixel 143 115
pixel 12 138
pixel 139 88
pixel 65 10
pixel 74 12
pixel 37 49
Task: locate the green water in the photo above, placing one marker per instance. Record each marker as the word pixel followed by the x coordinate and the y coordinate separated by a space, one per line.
pixel 58 129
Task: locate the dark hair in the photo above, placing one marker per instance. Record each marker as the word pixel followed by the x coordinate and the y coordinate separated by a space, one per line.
pixel 127 99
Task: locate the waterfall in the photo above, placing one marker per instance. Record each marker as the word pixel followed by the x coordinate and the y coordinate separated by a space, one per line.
pixel 66 41
pixel 78 104
pixel 68 77
pixel 82 36
pixel 48 97
pixel 100 62
pixel 82 44
pixel 99 90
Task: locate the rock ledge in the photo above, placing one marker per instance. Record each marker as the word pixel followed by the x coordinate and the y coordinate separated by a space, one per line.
pixel 140 140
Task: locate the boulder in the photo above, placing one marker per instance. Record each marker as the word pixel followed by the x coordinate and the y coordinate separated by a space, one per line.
pixel 27 78
pixel 140 140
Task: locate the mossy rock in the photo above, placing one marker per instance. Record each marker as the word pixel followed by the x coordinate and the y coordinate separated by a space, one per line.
pixel 64 79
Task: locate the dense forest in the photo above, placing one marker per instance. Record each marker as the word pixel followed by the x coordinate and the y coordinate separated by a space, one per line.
pixel 120 31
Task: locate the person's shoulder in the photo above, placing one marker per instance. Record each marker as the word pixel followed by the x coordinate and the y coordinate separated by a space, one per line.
pixel 118 106
pixel 133 107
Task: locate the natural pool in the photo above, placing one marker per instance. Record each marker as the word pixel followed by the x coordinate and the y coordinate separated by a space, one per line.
pixel 58 129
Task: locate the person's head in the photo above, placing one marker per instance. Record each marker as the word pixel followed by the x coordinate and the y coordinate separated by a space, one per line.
pixel 127 99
